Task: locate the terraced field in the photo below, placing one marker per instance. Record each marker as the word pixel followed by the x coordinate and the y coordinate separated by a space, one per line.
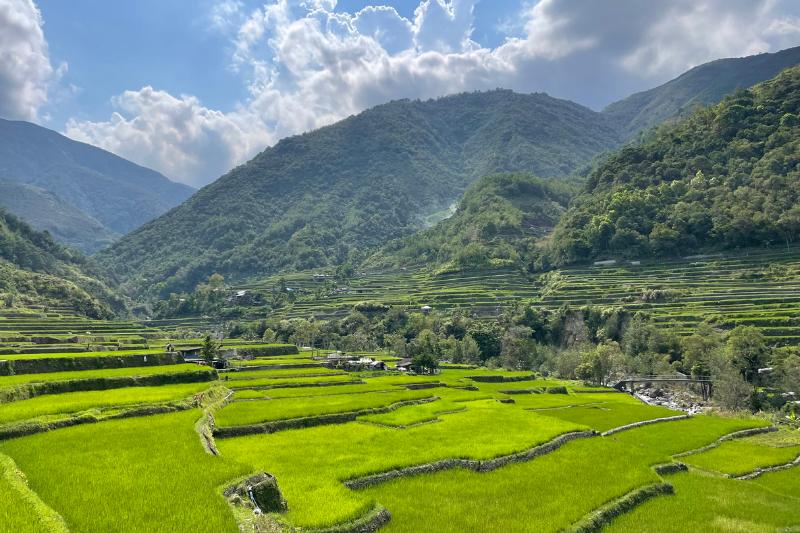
pixel 174 447
pixel 755 287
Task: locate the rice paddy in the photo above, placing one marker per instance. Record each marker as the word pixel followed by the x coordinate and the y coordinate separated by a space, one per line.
pixel 444 452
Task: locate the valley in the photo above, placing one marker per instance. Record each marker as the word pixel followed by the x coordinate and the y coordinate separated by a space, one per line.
pixel 471 309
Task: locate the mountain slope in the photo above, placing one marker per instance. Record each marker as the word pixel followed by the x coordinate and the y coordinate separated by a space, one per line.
pixel 497 222
pixel 703 85
pixel 333 194
pixel 46 212
pixel 36 271
pixel 727 176
pixel 115 192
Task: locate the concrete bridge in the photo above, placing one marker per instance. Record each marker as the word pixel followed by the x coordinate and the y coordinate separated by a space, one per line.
pixel 676 378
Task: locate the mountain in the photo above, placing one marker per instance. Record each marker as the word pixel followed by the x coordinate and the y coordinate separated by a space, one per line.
pixel 91 185
pixel 45 211
pixel 334 194
pixel 497 223
pixel 703 85
pixel 35 271
pixel 726 176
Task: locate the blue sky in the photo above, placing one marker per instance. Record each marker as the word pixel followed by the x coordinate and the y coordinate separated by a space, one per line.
pixel 192 88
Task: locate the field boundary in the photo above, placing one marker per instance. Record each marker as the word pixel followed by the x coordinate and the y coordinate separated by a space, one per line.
pixel 205 424
pixel 475 465
pixel 310 421
pixel 603 515
pixel 642 423
pixel 730 436
pixel 27 391
pixel 759 471
pixel 29 427
pixel 51 519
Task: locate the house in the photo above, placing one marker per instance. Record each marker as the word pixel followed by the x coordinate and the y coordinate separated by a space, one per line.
pixel 425 309
pixel 404 365
pixel 607 262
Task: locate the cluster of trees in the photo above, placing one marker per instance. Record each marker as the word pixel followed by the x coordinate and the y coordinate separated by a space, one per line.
pixel 726 176
pixel 596 344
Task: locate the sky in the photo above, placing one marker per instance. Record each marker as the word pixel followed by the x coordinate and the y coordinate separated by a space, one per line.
pixel 193 88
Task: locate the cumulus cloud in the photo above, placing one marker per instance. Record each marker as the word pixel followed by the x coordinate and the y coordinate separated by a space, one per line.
pixel 307 65
pixel 26 74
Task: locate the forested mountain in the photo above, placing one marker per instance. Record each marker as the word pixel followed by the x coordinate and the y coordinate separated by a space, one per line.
pixel 90 184
pixel 497 223
pixel 35 270
pixel 703 85
pixel 727 176
pixel 329 196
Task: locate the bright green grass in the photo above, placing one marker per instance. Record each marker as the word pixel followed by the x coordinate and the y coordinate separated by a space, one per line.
pixel 14 357
pixel 280 373
pixel 608 415
pixel 298 392
pixel 20 509
pixel 737 457
pixel 546 494
pixel 415 414
pixel 284 382
pixel 6 381
pixel 275 361
pixel 75 402
pixel 311 463
pixel 253 412
pixel 711 504
pixel 140 474
pixel 549 401
pixel 786 482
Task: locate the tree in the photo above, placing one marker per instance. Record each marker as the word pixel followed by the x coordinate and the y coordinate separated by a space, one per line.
pixel 470 350
pixel 424 363
pixel 600 364
pixel 731 391
pixel 210 350
pixel 747 351
pixel 269 336
pixel 518 348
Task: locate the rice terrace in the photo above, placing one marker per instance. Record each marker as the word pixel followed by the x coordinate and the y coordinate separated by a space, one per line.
pixel 329 266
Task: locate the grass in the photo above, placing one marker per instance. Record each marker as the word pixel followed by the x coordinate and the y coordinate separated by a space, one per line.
pixel 253 412
pixel 70 355
pixel 608 415
pixel 22 510
pixel 7 381
pixel 143 474
pixel 711 504
pixel 786 482
pixel 737 457
pixel 280 373
pixel 289 382
pixel 75 402
pixel 451 401
pixel 546 494
pixel 298 392
pixel 311 463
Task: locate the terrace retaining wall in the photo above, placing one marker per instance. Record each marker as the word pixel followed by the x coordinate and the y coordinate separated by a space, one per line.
pixel 67 364
pixel 477 466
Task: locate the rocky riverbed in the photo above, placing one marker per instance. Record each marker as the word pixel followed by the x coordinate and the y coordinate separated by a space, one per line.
pixel 680 399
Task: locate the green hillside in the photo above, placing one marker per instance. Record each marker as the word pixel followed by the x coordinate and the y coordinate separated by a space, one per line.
pixel 724 177
pixel 703 85
pixel 496 224
pixel 38 273
pixel 46 212
pixel 328 196
pixel 90 186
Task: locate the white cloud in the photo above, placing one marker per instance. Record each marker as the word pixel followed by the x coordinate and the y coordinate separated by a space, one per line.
pixel 307 66
pixel 26 74
pixel 177 136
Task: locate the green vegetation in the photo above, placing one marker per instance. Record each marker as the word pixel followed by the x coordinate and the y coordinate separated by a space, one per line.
pixel 82 195
pixel 712 504
pixel 739 457
pixel 253 412
pixel 497 223
pixel 146 473
pixel 35 271
pixel 348 188
pixel 724 177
